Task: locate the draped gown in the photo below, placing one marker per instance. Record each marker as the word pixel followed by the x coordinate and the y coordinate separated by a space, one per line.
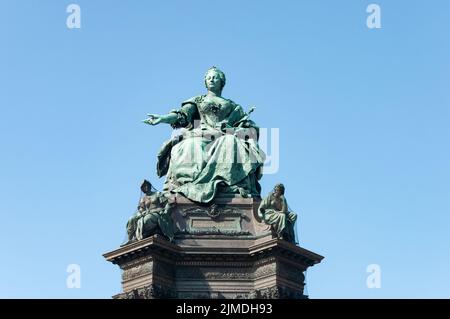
pixel 217 153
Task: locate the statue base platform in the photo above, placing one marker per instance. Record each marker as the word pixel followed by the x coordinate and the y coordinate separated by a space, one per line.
pixel 220 250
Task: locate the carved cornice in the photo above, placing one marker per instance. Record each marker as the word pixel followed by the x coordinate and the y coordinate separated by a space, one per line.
pixel 154 246
pixel 288 250
pixel 214 231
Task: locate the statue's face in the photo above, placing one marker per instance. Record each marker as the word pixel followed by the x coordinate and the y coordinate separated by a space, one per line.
pixel 213 81
pixel 278 191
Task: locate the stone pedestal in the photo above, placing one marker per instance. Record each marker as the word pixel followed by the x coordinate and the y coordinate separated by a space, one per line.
pixel 220 251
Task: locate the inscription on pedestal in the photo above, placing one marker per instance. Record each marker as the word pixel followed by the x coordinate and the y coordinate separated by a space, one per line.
pixel 207 223
pixel 212 220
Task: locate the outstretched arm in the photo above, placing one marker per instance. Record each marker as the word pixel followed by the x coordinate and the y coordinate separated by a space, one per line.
pixel 154 119
pixel 176 118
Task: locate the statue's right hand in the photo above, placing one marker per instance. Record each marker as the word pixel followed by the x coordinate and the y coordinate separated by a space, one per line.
pixel 153 119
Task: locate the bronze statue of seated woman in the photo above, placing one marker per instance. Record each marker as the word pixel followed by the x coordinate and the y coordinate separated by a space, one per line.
pixel 152 216
pixel 274 211
pixel 218 151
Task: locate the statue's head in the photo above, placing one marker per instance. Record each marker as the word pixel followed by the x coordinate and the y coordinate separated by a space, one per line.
pixel 146 187
pixel 214 79
pixel 279 189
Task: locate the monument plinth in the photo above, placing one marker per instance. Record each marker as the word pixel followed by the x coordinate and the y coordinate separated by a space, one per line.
pixel 219 251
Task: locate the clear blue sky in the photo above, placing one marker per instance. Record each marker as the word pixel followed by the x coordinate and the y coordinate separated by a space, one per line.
pixel 363 117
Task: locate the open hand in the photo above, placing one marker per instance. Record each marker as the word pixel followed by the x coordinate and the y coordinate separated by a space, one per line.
pixel 153 119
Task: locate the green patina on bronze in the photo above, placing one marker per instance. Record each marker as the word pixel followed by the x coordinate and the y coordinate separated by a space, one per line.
pixel 274 211
pixel 152 216
pixel 218 151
